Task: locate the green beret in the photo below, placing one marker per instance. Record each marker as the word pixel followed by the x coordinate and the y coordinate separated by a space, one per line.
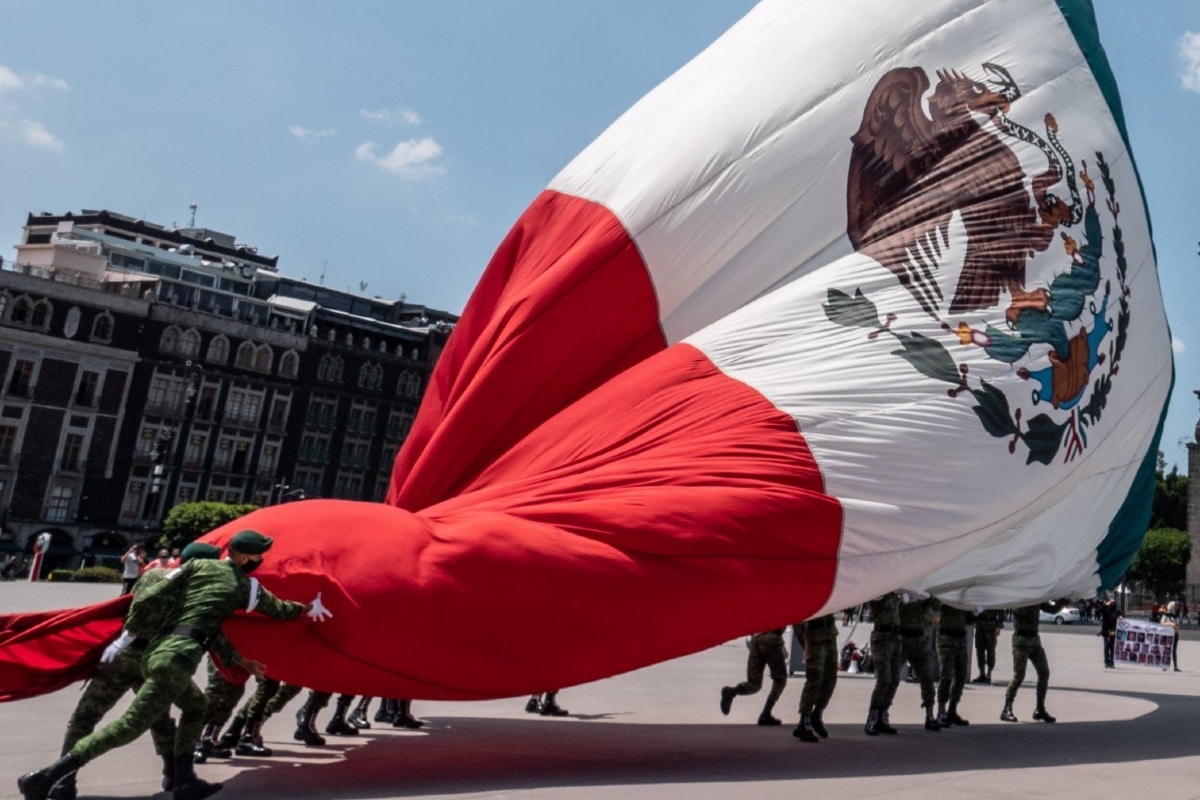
pixel 199 550
pixel 252 543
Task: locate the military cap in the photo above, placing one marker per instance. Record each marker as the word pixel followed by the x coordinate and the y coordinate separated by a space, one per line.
pixel 198 550
pixel 252 543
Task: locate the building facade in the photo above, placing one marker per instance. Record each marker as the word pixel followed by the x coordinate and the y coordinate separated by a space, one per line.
pixel 144 366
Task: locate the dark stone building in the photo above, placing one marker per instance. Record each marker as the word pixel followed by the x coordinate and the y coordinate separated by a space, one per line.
pixel 144 367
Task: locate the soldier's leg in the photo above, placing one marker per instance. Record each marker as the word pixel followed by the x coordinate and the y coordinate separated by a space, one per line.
pixel 756 666
pixel 776 658
pixel 285 694
pixel 945 662
pixel 108 685
pixel 815 664
pixel 1038 656
pixel 980 652
pixel 991 654
pixel 163 683
pixel 1020 659
pixel 960 660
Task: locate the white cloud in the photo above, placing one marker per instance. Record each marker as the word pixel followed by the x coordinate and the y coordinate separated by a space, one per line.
pixel 1177 344
pixel 391 116
pixel 11 81
pixel 411 159
pixel 31 133
pixel 1189 48
pixel 303 133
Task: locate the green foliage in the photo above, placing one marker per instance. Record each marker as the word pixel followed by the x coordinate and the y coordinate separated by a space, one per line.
pixel 1161 561
pixel 97 575
pixel 187 521
pixel 61 575
pixel 1170 499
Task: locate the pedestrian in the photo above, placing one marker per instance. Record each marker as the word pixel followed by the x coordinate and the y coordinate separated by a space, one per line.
pixel 820 676
pixel 988 624
pixel 200 596
pixel 131 564
pixel 1109 614
pixel 1027 647
pixel 953 663
pixel 914 648
pixel 767 650
pixel 885 653
pixel 161 561
pixel 109 682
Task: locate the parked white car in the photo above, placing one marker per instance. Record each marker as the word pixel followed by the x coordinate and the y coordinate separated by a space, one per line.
pixel 1060 615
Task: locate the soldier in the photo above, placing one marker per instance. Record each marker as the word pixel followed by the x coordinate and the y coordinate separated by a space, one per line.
pixel 545 704
pixel 111 681
pixel 306 718
pixel 885 652
pixel 766 651
pixel 914 648
pixel 1109 614
pixel 820 676
pixel 988 625
pixel 953 661
pixel 1027 646
pixel 200 595
pixel 244 735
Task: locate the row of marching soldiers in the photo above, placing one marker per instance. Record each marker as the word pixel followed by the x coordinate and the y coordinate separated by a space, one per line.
pixel 901 632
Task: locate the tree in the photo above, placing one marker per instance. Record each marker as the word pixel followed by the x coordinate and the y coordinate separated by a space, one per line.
pixel 1161 561
pixel 187 521
pixel 1170 498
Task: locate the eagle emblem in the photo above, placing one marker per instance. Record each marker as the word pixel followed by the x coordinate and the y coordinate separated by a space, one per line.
pixel 931 159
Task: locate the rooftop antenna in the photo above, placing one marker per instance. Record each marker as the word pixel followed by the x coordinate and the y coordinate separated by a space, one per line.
pixel 192 207
pixel 323 266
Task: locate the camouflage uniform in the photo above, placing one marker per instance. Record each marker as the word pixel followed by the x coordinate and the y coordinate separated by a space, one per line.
pixel 220 697
pixel 1027 646
pixel 987 629
pixel 885 654
pixel 767 650
pixel 200 595
pixel 820 676
pixel 952 663
pixel 914 648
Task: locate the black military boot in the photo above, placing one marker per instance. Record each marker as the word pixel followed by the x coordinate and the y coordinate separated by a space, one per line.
pixel 187 785
pixel 534 704
pixel 551 708
pixel 1042 715
pixel 805 731
pixel 884 725
pixel 872 726
pixel 338 726
pixel 404 717
pixel 818 724
pixel 168 781
pixel 727 695
pixel 358 717
pixel 954 718
pixel 252 743
pixel 209 747
pixel 931 723
pixel 386 712
pixel 233 736
pixel 37 785
pixel 943 719
pixel 1007 714
pixel 306 725
pixel 65 789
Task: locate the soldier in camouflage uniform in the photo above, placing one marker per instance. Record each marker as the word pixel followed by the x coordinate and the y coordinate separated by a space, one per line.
pixel 221 697
pixel 820 676
pixel 766 650
pixel 111 681
pixel 200 595
pixel 988 625
pixel 885 653
pixel 914 648
pixel 953 663
pixel 1027 646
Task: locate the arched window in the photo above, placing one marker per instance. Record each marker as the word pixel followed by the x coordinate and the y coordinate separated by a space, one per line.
pixel 364 375
pixel 169 341
pixel 218 349
pixel 410 384
pixel 325 368
pixel 245 355
pixel 42 311
pixel 189 343
pixel 289 364
pixel 338 368
pixel 263 357
pixel 377 377
pixel 102 327
pixel 21 309
pixel 4 300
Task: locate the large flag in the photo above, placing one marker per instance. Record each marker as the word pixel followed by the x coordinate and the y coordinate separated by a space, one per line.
pixel 862 298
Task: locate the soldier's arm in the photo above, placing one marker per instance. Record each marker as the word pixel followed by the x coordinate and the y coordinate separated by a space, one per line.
pixel 264 602
pixel 228 654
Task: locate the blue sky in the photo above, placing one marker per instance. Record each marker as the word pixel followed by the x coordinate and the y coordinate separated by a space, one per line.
pixel 393 144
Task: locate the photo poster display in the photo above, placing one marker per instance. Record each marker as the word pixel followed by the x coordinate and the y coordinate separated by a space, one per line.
pixel 1144 644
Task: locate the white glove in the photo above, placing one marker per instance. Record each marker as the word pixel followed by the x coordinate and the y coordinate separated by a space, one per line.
pixel 117 647
pixel 318 612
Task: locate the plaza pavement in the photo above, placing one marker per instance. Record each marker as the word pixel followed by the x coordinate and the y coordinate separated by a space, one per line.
pixel 657 733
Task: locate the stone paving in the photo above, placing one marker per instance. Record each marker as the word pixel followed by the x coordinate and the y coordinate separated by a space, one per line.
pixel 657 733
